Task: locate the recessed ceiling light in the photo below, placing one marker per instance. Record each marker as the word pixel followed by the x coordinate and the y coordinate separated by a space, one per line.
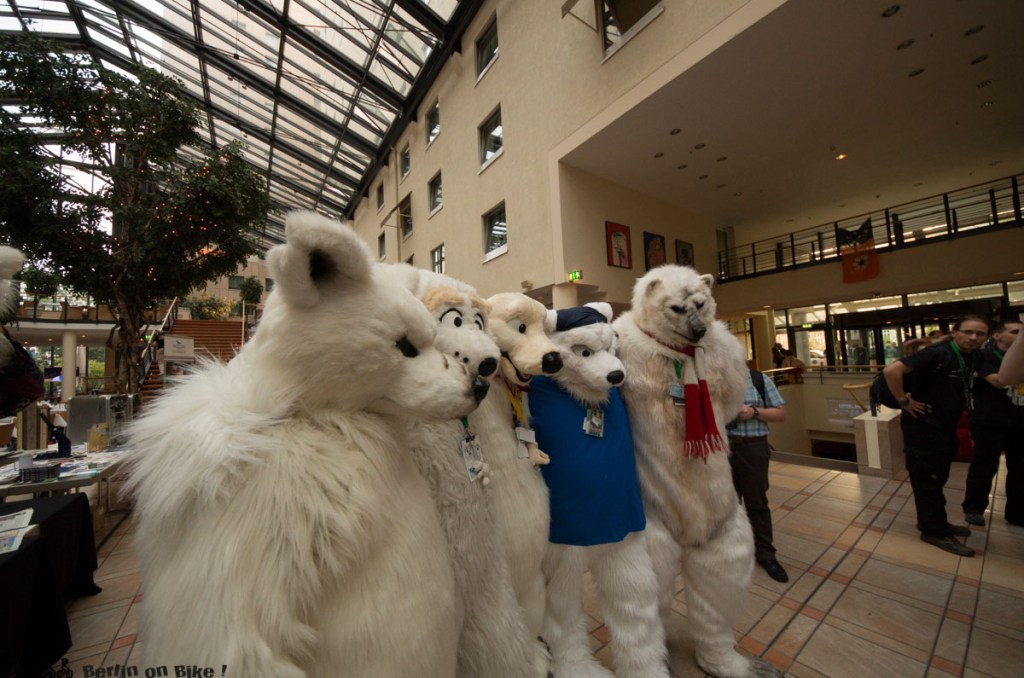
pixel 889 11
pixel 974 29
pixel 659 154
pixel 721 158
pixel 994 163
pixel 682 166
pixel 720 186
pixel 984 83
pixel 916 72
pixel 737 194
pixel 920 183
pixel 988 104
pixel 675 131
pixel 700 146
pixel 905 44
pixel 841 156
pixel 703 176
pixel 977 60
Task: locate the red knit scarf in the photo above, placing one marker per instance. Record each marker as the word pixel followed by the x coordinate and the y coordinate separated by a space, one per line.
pixel 701 437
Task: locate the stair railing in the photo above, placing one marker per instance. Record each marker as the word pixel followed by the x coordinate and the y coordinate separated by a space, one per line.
pixel 149 352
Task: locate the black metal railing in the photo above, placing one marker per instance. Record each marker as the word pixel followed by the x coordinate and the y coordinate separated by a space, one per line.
pixel 967 211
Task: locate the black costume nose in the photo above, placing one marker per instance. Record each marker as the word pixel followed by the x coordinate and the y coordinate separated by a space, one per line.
pixel 480 388
pixel 616 377
pixel 698 331
pixel 487 367
pixel 551 363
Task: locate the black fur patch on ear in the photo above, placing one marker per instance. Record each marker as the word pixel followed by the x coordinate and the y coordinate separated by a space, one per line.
pixel 320 266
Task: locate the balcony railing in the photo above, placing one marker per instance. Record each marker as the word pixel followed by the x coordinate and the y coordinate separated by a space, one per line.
pixel 976 209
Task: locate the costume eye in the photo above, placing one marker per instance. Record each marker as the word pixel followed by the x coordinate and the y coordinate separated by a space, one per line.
pixel 678 309
pixel 517 325
pixel 582 351
pixel 451 318
pixel 479 320
pixel 406 347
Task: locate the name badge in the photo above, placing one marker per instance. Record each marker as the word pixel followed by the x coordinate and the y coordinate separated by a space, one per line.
pixel 675 392
pixel 472 456
pixel 593 423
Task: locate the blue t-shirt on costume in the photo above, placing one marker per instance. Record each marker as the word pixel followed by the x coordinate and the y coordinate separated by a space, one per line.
pixel 592 483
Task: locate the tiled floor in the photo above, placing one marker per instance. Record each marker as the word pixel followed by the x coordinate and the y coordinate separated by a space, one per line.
pixel 866 597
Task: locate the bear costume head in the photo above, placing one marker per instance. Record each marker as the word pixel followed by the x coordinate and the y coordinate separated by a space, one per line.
pixel 517 322
pixel 587 344
pixel 673 305
pixel 462 330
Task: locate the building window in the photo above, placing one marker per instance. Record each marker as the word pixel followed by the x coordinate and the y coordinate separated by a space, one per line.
pixel 490 137
pixel 380 196
pixel 410 260
pixel 235 282
pixel 405 163
pixel 405 217
pixel 495 231
pixel 437 259
pixel 382 249
pixel 487 48
pixel 619 17
pixel 433 122
pixel 435 193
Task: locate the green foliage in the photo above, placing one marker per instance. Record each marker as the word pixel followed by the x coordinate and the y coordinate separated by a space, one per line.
pixel 160 226
pixel 39 281
pixel 208 307
pixel 251 290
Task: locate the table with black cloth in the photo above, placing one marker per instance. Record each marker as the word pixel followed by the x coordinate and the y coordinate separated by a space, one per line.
pixel 34 581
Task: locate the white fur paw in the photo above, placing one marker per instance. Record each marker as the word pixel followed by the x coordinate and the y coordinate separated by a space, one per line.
pixel 582 668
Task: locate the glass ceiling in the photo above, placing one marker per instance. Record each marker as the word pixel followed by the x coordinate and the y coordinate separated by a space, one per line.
pixel 315 89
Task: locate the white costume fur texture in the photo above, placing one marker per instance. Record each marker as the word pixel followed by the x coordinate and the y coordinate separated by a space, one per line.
pixel 693 517
pixel 493 637
pixel 520 497
pixel 10 263
pixel 622 571
pixel 283 529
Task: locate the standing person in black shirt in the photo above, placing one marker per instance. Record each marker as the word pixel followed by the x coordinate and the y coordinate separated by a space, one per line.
pixel 937 393
pixel 997 425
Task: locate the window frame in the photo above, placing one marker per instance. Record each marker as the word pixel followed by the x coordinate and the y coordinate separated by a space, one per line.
pixel 435 206
pixel 404 161
pixel 483 135
pixel 405 203
pixel 380 196
pixel 437 263
pixel 611 47
pixel 382 246
pixel 481 66
pixel 492 253
pixel 432 112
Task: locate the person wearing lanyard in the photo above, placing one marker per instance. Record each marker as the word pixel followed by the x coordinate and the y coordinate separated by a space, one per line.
pixel 935 397
pixel 748 443
pixel 997 425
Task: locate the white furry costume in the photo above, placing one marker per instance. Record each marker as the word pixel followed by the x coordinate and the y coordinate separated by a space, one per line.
pixel 693 516
pixel 518 491
pixel 283 530
pixel 10 263
pixel 597 520
pixel 493 637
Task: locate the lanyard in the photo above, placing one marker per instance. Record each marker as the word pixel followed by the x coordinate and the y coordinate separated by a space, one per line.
pixel 999 354
pixel 516 405
pixel 963 374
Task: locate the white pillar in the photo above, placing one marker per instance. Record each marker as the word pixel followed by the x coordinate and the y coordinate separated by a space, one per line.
pixel 67 375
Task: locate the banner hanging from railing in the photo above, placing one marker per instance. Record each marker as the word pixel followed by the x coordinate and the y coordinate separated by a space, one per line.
pixel 857 249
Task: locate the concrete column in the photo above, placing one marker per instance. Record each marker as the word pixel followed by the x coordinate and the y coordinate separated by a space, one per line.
pixel 67 375
pixel 564 295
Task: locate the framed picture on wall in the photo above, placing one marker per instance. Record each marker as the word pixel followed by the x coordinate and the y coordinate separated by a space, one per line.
pixel 684 253
pixel 654 250
pixel 620 252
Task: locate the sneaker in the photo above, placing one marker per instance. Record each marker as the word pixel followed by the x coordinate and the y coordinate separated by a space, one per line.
pixel 974 519
pixel 959 530
pixel 949 544
pixel 774 570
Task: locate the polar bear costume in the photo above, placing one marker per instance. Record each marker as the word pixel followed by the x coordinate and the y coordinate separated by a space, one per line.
pixel 10 263
pixel 282 527
pixel 694 520
pixel 520 498
pixel 597 519
pixel 493 637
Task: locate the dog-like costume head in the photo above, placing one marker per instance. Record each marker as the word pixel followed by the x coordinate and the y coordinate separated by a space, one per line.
pixel 587 343
pixel 517 322
pixel 462 328
pixel 674 304
pixel 339 333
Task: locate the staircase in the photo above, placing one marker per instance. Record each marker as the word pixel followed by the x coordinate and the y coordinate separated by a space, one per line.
pixel 220 339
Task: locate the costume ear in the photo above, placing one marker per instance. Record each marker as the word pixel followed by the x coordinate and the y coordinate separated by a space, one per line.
pixel 550 321
pixel 319 254
pixel 652 286
pixel 708 280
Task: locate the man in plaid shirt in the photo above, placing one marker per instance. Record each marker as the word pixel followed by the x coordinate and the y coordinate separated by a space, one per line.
pixel 748 440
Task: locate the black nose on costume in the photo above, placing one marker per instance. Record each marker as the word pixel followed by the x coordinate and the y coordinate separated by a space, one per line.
pixel 616 377
pixel 551 363
pixel 698 331
pixel 480 387
pixel 487 367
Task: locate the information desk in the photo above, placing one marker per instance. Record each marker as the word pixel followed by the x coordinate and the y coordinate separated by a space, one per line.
pixel 35 580
pixel 80 470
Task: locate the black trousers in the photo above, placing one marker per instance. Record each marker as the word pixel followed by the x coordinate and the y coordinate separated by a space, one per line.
pixel 749 461
pixel 989 442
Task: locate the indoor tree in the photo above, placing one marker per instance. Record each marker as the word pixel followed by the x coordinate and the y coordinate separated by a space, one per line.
pixel 159 226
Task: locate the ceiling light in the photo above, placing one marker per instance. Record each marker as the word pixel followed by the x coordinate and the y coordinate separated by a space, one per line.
pixel 988 104
pixel 675 131
pixel 737 194
pixel 703 176
pixel 977 60
pixel 994 163
pixel 974 29
pixel 905 44
pixel 889 11
pixel 841 156
pixel 659 154
pixel 916 72
pixel 699 146
pixel 720 158
pixel 984 83
pixel 720 186
pixel 682 167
